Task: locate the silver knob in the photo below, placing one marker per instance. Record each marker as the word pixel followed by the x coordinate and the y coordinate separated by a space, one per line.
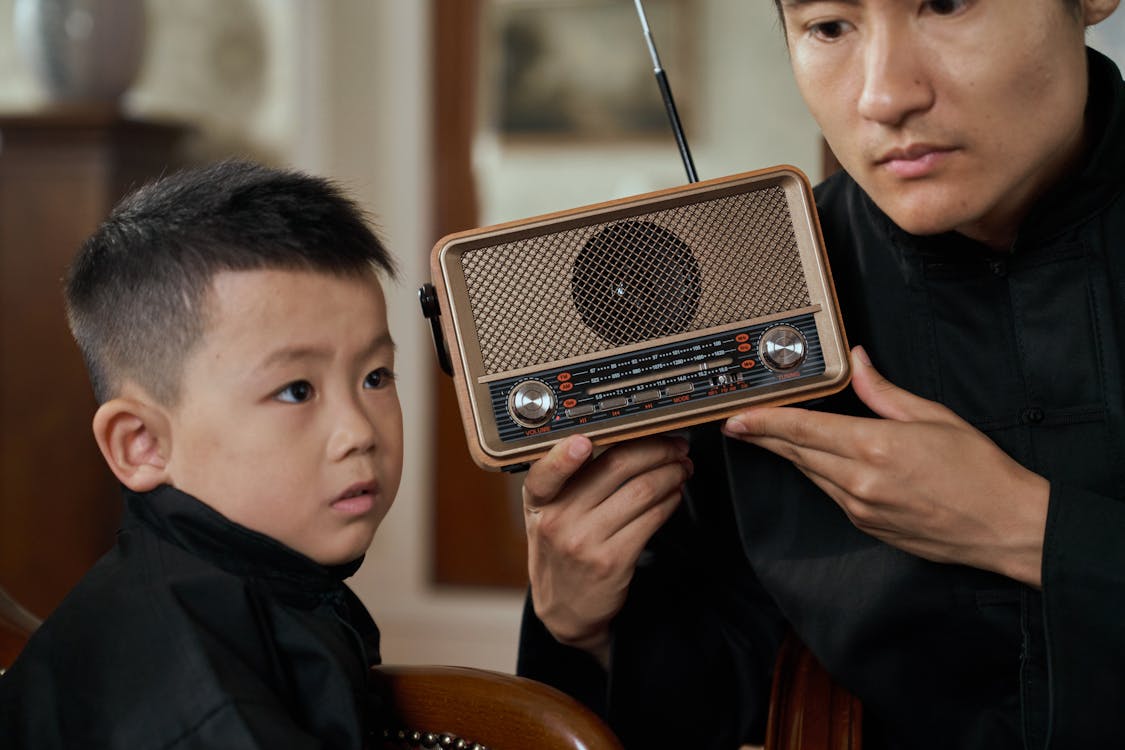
pixel 782 348
pixel 531 403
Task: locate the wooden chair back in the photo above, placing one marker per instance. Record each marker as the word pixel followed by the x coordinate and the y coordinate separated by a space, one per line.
pixel 438 706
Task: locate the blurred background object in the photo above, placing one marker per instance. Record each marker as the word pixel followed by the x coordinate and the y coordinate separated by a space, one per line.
pixel 81 50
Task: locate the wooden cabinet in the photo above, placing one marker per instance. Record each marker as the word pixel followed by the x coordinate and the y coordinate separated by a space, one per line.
pixel 60 175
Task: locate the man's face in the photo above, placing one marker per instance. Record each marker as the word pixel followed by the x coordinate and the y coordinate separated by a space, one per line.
pixel 951 114
pixel 288 421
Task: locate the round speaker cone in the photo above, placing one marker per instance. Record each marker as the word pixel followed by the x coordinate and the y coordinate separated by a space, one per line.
pixel 634 281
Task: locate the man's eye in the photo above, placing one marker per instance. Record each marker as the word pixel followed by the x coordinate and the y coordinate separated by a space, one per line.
pixel 827 30
pixel 296 392
pixel 946 7
pixel 378 378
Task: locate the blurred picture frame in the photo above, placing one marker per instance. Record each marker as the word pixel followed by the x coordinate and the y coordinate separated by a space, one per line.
pixel 580 70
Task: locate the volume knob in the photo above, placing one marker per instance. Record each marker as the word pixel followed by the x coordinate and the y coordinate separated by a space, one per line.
pixel 782 348
pixel 531 403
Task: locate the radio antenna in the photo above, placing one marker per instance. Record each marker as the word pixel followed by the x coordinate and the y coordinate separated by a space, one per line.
pixel 666 93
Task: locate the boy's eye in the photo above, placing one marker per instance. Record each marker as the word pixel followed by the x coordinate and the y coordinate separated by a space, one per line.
pixel 296 392
pixel 378 378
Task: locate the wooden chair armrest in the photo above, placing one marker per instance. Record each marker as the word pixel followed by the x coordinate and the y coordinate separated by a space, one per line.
pixel 808 710
pixel 495 710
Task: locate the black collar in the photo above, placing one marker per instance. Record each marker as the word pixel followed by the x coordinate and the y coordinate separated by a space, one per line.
pixel 184 521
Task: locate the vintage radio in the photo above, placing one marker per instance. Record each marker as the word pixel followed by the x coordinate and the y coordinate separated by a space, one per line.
pixel 637 316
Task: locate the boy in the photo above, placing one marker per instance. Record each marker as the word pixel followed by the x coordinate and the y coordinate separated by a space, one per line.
pixel 236 336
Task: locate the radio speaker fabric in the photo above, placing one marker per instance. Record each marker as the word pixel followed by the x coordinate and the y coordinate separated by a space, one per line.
pixel 639 315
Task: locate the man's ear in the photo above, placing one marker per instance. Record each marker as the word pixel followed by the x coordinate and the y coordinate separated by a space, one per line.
pixel 135 439
pixel 1095 11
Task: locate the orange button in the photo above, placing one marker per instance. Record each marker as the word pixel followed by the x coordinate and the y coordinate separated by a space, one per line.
pixel 742 337
pixel 564 376
pixel 565 386
pixel 743 347
pixel 570 403
pixel 747 364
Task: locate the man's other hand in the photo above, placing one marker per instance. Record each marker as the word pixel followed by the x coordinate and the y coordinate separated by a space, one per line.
pixel 588 519
pixel 920 478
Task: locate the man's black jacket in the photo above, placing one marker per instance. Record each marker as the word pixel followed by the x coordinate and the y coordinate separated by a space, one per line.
pixel 1028 347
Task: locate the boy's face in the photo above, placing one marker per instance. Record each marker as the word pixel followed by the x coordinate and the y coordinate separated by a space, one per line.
pixel 288 421
pixel 951 114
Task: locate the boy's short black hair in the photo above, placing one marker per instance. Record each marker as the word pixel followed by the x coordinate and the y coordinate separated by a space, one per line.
pixel 137 290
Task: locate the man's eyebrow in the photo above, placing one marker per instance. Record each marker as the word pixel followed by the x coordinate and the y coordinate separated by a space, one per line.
pixel 798 3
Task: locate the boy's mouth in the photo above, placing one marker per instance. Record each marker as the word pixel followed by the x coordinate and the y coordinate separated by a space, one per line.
pixel 357 499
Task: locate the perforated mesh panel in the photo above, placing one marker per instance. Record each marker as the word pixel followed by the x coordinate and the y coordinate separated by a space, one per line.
pixel 740 250
pixel 634 281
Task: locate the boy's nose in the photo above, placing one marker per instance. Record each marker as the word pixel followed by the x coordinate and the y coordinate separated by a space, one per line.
pixel 353 432
pixel 895 78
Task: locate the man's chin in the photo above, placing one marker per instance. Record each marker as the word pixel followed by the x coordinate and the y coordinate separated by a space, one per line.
pixel 923 213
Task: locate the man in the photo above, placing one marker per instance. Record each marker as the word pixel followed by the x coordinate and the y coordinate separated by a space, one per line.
pixel 945 536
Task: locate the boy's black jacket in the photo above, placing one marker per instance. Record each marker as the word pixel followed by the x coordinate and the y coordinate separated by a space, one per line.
pixel 192 632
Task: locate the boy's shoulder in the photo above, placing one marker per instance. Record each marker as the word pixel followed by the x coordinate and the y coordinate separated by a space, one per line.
pixel 152 642
pixel 161 643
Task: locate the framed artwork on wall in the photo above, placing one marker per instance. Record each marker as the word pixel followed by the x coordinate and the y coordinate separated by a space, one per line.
pixel 580 69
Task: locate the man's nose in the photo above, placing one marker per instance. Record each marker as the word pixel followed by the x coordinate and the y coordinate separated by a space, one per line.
pixel 896 82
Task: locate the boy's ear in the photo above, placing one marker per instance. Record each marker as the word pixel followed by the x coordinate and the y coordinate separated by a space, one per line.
pixel 134 438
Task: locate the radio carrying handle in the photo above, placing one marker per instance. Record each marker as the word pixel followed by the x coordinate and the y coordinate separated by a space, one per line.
pixel 427 298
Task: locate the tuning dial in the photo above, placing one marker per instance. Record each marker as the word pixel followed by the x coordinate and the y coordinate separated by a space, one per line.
pixel 782 348
pixel 531 403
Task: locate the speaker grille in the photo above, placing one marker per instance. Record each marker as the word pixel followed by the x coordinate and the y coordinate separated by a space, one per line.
pixel 582 290
pixel 635 281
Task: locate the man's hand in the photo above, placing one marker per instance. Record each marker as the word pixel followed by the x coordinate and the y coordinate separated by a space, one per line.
pixel 587 523
pixel 921 479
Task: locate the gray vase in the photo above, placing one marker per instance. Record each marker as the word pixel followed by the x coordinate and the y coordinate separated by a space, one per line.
pixel 82 50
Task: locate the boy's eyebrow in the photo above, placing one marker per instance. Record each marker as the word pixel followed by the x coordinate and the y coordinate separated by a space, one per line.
pixel 288 354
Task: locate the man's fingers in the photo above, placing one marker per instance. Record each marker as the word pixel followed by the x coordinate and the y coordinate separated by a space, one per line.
pixel 836 433
pixel 547 476
pixel 633 536
pixel 822 431
pixel 635 500
pixel 888 400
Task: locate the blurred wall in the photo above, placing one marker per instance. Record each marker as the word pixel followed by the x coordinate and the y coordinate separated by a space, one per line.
pixel 341 87
pixel 738 101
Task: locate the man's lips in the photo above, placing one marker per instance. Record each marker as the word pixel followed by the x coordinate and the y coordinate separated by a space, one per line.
pixel 916 160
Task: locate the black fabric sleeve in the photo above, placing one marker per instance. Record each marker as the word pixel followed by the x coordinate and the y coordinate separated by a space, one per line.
pixel 571 670
pixel 693 648
pixel 1084 612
